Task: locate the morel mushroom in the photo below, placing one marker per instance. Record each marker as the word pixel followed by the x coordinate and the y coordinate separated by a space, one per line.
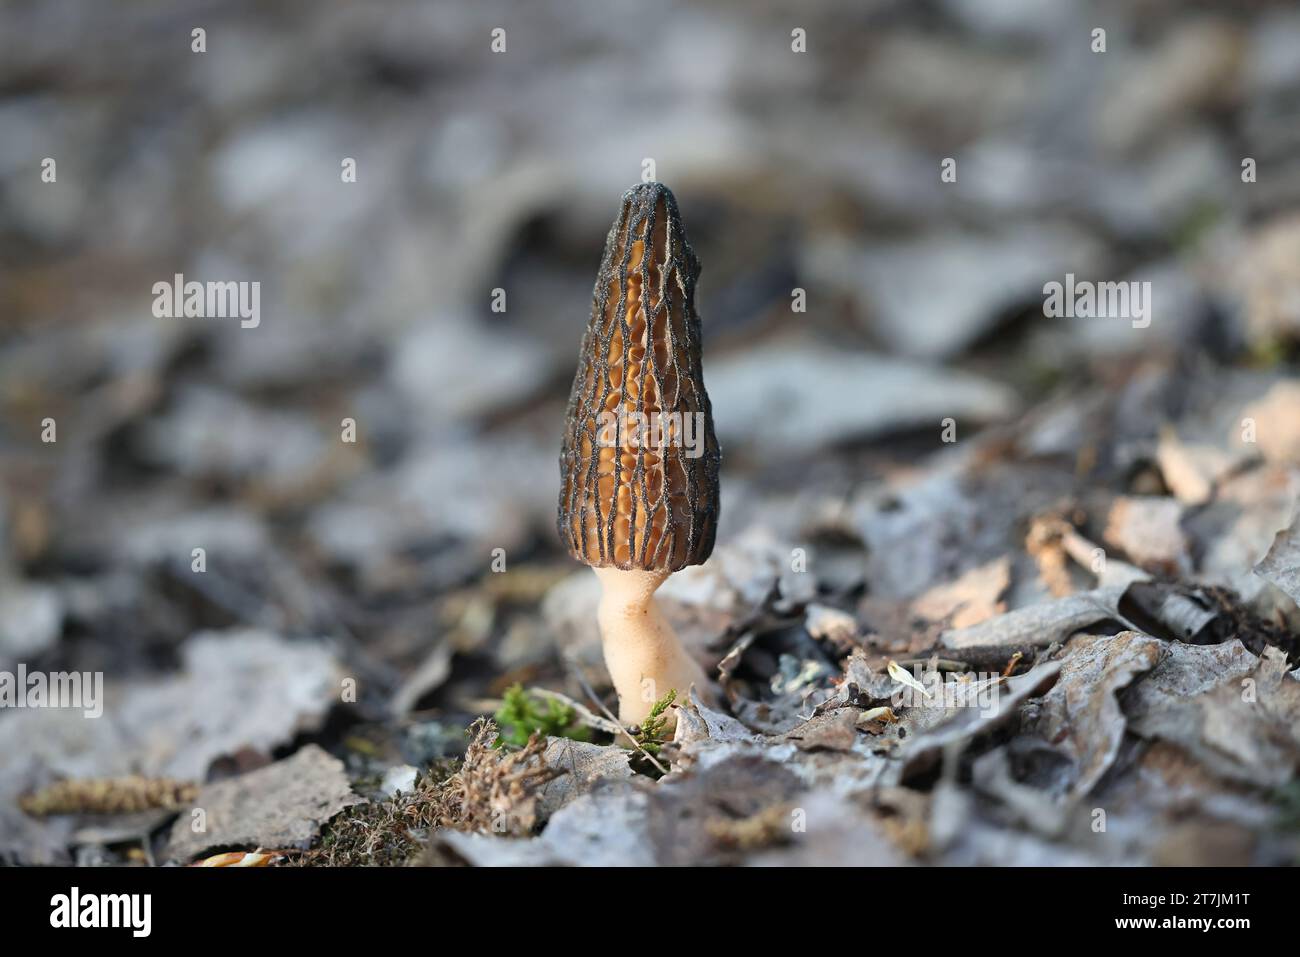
pixel 639 463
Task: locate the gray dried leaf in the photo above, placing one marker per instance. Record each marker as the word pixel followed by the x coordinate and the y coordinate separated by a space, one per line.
pixel 399 779
pixel 213 434
pixel 606 828
pixel 1185 671
pixel 282 805
pixel 985 275
pixel 1241 725
pixel 921 751
pixel 698 722
pixel 237 690
pixel 1187 614
pixel 119 830
pixel 1081 711
pixel 1281 566
pixel 833 731
pixel 1039 625
pixel 836 834
pixel 1241 524
pixel 586 767
pixel 991 774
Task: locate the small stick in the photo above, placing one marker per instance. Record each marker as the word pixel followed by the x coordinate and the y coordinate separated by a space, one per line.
pixel 584 714
pixel 938 664
pixel 601 705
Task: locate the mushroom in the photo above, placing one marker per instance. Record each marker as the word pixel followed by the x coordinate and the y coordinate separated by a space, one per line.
pixel 639 462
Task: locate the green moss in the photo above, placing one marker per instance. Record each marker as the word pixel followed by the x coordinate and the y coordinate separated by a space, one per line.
pixel 651 735
pixel 521 714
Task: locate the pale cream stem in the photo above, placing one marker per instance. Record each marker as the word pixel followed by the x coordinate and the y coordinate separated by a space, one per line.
pixel 642 652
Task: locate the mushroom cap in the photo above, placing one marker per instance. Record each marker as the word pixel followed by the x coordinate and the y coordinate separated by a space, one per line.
pixel 639 462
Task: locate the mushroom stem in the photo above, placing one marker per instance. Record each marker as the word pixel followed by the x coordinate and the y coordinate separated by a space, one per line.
pixel 642 652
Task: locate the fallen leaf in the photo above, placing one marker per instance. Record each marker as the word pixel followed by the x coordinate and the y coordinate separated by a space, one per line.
pixel 921 751
pixel 1276 419
pixel 1081 711
pixel 1147 529
pixel 282 805
pixel 237 690
pixel 834 731
pixel 1237 715
pixel 606 828
pixel 586 767
pixel 1281 566
pixel 901 675
pixel 832 625
pixel 1039 625
pixel 974 597
pixel 1191 471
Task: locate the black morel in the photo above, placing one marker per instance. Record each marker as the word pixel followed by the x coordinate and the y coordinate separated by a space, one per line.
pixel 639 462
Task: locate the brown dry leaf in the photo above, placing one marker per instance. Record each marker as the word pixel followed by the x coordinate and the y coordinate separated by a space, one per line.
pixel 768 827
pixel 1045 546
pixel 1081 711
pixel 1148 530
pixel 974 597
pixel 1192 470
pixel 1208 841
pixel 874 718
pixel 834 731
pixel 281 805
pixel 1276 419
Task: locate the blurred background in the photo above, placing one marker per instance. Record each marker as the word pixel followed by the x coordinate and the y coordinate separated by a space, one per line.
pixel 476 171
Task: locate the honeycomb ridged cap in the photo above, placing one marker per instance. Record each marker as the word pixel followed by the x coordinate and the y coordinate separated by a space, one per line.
pixel 639 461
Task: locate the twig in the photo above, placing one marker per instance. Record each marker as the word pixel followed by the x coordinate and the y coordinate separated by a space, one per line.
pixel 940 664
pixel 577 673
pixel 584 714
